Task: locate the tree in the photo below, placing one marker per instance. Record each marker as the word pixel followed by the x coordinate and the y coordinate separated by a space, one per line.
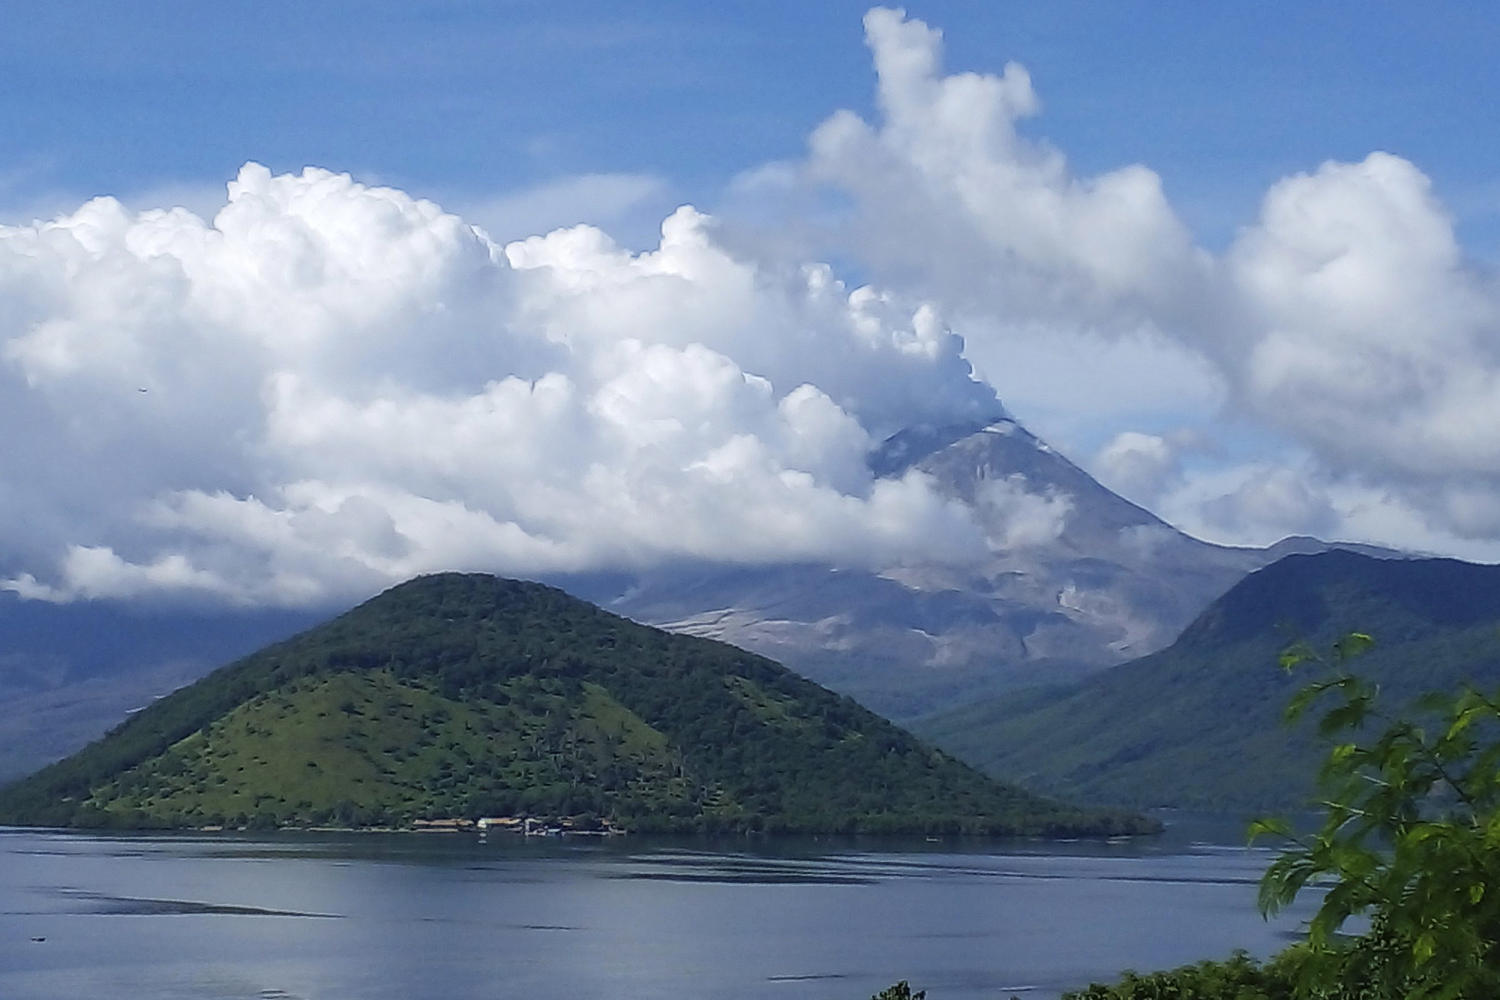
pixel 1410 840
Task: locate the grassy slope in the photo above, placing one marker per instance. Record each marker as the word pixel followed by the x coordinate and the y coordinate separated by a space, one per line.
pixel 468 695
pixel 1199 724
pixel 369 745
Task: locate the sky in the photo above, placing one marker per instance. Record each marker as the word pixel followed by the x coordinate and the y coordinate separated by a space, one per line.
pixel 297 300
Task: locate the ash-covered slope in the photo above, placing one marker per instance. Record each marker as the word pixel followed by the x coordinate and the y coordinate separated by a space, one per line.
pixel 1076 579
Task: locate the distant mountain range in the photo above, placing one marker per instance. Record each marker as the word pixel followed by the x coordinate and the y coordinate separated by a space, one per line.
pixel 1108 581
pixel 1198 724
pixel 466 696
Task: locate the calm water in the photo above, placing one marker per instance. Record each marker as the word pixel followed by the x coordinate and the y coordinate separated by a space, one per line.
pixel 374 916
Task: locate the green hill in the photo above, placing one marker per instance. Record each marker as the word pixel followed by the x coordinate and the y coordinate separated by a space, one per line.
pixel 468 696
pixel 1198 725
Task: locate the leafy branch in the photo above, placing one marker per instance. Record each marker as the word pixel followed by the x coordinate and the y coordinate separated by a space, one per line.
pixel 1410 840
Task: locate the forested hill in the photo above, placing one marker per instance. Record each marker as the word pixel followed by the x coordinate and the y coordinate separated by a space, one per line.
pixel 468 695
pixel 1199 724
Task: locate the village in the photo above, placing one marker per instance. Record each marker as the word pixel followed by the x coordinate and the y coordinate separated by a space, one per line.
pixel 526 826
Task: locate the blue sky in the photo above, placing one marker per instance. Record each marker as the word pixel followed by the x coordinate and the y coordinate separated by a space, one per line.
pixel 462 99
pixel 1237 260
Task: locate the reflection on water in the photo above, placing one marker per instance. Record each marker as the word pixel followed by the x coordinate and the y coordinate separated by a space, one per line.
pixel 97 902
pixel 372 916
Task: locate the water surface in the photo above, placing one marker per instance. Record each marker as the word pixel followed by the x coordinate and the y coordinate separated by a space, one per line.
pixel 400 916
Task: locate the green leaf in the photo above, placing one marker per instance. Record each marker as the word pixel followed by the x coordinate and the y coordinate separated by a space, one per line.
pixel 1268 825
pixel 1295 655
pixel 1421 833
pixel 1299 702
pixel 1349 715
pixel 1465 719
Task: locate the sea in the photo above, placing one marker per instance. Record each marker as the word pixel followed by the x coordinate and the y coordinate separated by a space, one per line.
pixel 401 916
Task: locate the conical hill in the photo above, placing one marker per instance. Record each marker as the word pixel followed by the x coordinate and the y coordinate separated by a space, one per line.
pixel 467 695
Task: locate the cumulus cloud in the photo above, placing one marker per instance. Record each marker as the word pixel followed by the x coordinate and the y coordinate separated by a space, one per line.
pixel 1135 465
pixel 1346 318
pixel 330 386
pixel 1368 335
pixel 1271 502
pixel 318 386
pixel 1069 289
pixel 949 193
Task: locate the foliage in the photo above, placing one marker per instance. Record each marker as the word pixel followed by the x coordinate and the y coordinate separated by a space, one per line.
pixel 1238 978
pixel 1410 839
pixel 901 991
pixel 468 695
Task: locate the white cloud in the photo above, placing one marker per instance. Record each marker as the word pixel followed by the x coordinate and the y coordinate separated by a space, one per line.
pixel 1259 501
pixel 1376 514
pixel 333 386
pixel 1137 466
pixel 97 572
pixel 1370 338
pixel 1270 503
pixel 1077 388
pixel 948 193
pixel 327 386
pixel 1346 319
pixel 1365 335
pixel 1255 500
pixel 1015 517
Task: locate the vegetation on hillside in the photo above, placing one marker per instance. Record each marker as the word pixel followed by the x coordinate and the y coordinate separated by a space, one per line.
pixel 1409 844
pixel 467 695
pixel 1197 724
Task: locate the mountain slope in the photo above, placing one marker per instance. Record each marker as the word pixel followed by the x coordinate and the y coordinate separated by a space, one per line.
pixel 467 695
pixel 1199 723
pixel 1077 579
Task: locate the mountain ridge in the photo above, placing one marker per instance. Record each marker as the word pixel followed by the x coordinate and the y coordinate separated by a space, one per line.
pixel 1198 724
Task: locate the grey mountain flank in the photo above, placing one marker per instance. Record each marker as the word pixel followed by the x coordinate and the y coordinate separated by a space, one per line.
pixel 1077 579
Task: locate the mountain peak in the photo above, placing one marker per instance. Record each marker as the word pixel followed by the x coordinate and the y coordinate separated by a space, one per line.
pixel 964 459
pixel 910 445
